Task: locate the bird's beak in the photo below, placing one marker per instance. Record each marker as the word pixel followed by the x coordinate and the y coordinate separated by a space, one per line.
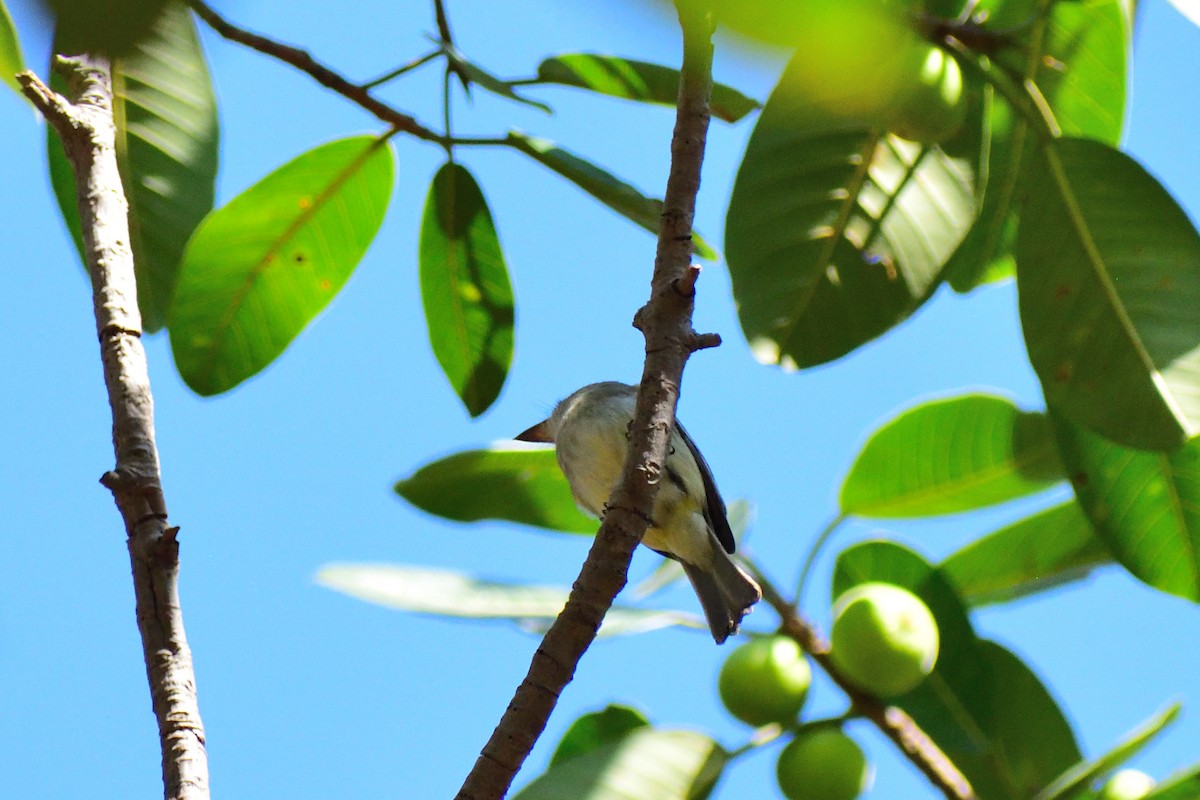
pixel 538 433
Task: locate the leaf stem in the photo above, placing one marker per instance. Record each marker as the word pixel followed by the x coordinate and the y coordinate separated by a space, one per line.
pixel 810 560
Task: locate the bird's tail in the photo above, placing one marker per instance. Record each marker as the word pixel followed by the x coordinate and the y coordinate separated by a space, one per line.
pixel 726 593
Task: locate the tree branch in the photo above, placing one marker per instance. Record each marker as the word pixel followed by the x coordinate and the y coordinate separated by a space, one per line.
pixel 895 723
pixel 301 60
pixel 85 125
pixel 665 321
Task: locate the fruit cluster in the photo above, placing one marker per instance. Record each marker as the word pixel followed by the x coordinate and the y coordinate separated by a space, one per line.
pixel 884 641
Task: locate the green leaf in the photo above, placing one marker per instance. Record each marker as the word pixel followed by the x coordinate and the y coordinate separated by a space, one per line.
pixel 508 481
pixel 836 233
pixel 453 594
pixel 636 80
pixel 1144 505
pixel 648 764
pixel 604 186
pixel 486 80
pixel 948 704
pixel 465 288
pixel 1078 776
pixel 11 61
pixel 258 270
pixel 739 514
pixel 167 141
pixel 1181 786
pixel 597 729
pixel 1040 552
pixel 982 706
pixel 1108 267
pixel 951 455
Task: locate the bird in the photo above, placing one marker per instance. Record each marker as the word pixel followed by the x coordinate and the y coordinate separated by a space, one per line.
pixel 688 523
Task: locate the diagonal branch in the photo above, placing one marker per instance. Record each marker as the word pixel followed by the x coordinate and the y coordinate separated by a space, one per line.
pixel 894 722
pixel 85 124
pixel 665 321
pixel 301 60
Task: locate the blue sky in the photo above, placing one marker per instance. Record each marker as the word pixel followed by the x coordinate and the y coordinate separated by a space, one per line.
pixel 309 694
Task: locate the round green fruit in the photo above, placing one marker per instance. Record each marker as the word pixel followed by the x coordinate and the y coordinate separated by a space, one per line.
pixel 822 764
pixel 933 107
pixel 1127 784
pixel 765 680
pixel 884 639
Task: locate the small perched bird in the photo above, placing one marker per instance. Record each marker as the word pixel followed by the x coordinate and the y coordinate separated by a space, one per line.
pixel 688 522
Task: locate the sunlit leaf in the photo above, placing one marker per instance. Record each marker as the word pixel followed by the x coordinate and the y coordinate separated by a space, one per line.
pixel 647 764
pixel 447 593
pixel 1035 554
pixel 597 729
pixel 509 481
pixel 951 455
pixel 602 185
pixel 167 140
pixel 835 233
pixel 1145 506
pixel 465 288
pixel 636 80
pixel 1108 267
pixel 1076 779
pixel 1189 8
pixel 10 51
pixel 1182 786
pixel 259 269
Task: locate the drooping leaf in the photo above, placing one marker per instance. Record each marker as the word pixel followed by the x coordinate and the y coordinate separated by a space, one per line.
pixel 948 704
pixel 983 707
pixel 636 80
pixel 465 288
pixel 486 80
pixel 835 233
pixel 1108 268
pixel 1040 552
pixel 10 51
pixel 951 455
pixel 167 141
pixel 602 185
pixel 597 729
pixel 739 513
pixel 447 593
pixel 1076 779
pixel 508 481
pixel 258 270
pixel 647 764
pixel 1145 506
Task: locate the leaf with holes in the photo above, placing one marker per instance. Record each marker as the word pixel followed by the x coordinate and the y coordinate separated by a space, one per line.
pixel 259 269
pixel 951 455
pixel 602 185
pixel 836 232
pixel 167 139
pixel 465 288
pixel 1108 271
pixel 636 80
pixel 1144 505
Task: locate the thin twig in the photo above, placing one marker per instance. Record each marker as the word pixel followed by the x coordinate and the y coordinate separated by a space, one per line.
pixel 666 323
pixel 894 722
pixel 301 60
pixel 419 61
pixel 85 125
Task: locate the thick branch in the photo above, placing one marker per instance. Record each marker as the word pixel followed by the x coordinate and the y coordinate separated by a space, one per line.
pixel 85 125
pixel 895 723
pixel 301 60
pixel 666 322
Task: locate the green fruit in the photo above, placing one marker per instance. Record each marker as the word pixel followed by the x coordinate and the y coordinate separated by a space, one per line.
pixel 765 680
pixel 1127 784
pixel 823 764
pixel 884 639
pixel 933 107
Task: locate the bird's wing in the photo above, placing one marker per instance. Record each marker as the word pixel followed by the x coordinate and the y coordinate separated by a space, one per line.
pixel 714 506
